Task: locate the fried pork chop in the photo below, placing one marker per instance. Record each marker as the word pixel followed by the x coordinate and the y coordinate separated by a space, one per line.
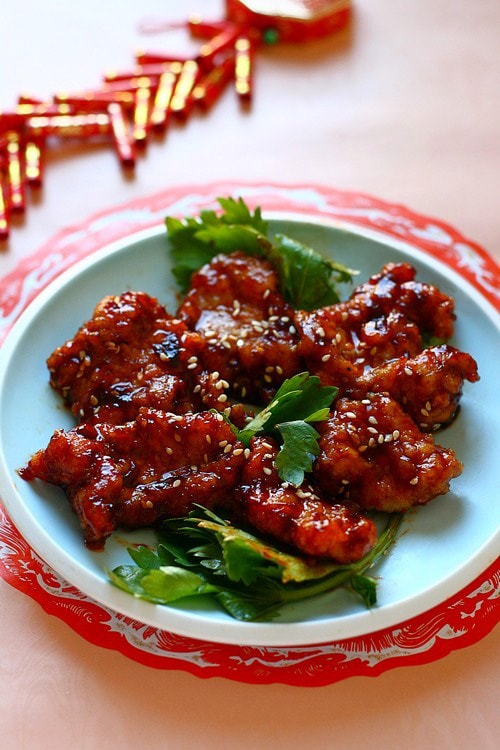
pixel 133 475
pixel 299 516
pixel 235 305
pixel 372 452
pixel 132 354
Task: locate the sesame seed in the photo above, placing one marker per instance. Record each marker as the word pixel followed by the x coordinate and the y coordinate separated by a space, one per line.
pixel 267 455
pixel 240 343
pixel 228 448
pixel 428 405
pixel 279 370
pixel 225 384
pixel 268 379
pixel 163 357
pixel 362 448
pixel 93 400
pixel 177 483
pixel 226 344
pixel 292 330
pixel 380 439
pixel 424 412
pixel 222 398
pixel 192 359
pixel 350 414
pixel 345 481
pixel 266 294
pixel 267 445
pixel 147 504
pixel 344 315
pixel 219 417
pixel 366 401
pixel 285 319
pixel 325 357
pixel 209 334
pixel 192 366
pixel 205 458
pixel 321 332
pixel 372 420
pixel 414 480
pixel 373 430
pixel 216 375
pixel 237 451
pixel 208 439
pixel 408 371
pixel 371 442
pixel 338 338
pixel 388 438
pixel 267 470
pixel 395 434
pixel 246 452
pixel 222 443
pixel 243 391
pixel 194 467
pixel 270 369
pixel 197 389
pixel 437 426
pixel 169 450
pixel 82 354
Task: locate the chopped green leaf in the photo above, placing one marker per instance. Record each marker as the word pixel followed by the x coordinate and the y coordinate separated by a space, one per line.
pixel 308 280
pixel 299 449
pixel 250 578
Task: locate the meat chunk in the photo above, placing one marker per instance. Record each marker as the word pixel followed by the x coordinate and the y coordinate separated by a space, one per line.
pixel 131 354
pixel 428 386
pixel 299 517
pixel 372 452
pixel 384 319
pixel 235 305
pixel 135 474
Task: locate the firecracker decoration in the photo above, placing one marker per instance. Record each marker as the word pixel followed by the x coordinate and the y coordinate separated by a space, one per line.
pixel 130 105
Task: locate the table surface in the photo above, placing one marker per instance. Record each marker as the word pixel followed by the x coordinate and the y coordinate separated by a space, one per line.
pixel 400 106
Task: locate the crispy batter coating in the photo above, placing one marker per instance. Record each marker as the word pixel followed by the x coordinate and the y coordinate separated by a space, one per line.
pixel 372 452
pixel 234 303
pixel 428 386
pixel 131 354
pixel 299 517
pixel 135 474
pixel 383 319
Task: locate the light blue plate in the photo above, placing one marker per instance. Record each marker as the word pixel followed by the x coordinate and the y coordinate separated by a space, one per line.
pixel 441 548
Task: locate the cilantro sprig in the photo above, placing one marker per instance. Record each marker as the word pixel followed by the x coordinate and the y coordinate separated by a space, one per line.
pixel 299 401
pixel 203 554
pixel 307 279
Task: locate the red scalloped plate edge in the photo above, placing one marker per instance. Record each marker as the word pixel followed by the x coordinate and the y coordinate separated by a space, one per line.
pixel 417 641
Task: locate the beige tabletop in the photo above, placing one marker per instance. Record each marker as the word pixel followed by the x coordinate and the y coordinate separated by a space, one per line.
pixel 404 106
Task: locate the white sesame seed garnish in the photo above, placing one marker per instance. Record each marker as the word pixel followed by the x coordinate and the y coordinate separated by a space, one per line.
pixel 350 414
pixel 279 370
pixel 285 319
pixel 372 420
pixel 362 448
pixel 267 470
pixel 380 439
pixel 373 430
pixel 228 448
pixel 163 357
pixel 243 391
pixel 292 330
pixel 273 318
pixel 268 379
pixel 428 405
pixel 344 481
pixel 338 338
pixel 169 450
pixel 366 401
pixel 321 332
pixel 371 442
pixel 177 438
pixel 177 483
pixel 267 445
pixel 424 412
pixel 237 451
pixel 193 365
pixel 93 400
pixel 414 480
pixel 226 344
pixel 408 371
pixel 325 357
pixel 192 359
pixel 266 294
pixel 197 388
pixel 208 439
pixel 395 434
pixel 222 443
pixel 246 452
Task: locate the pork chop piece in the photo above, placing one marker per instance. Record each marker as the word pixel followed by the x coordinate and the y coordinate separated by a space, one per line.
pixel 299 517
pixel 130 354
pixel 234 303
pixel 428 387
pixel 384 319
pixel 372 452
pixel 136 474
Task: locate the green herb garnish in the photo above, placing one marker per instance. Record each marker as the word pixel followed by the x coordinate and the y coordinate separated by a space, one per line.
pixel 299 401
pixel 308 280
pixel 204 555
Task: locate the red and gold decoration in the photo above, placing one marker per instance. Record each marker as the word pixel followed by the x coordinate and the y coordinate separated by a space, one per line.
pixel 129 106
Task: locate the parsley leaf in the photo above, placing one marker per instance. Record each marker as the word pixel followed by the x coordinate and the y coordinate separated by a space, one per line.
pixel 307 279
pixel 299 401
pixel 248 577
